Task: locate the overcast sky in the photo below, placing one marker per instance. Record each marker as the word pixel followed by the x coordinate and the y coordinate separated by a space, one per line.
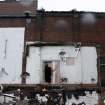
pixel 67 5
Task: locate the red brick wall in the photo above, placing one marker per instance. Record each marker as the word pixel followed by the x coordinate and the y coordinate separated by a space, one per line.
pixel 31 32
pixel 58 29
pixel 95 33
pixel 70 30
pixel 74 31
pixel 12 7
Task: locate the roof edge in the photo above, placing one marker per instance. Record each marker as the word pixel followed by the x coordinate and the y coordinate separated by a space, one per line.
pixel 68 13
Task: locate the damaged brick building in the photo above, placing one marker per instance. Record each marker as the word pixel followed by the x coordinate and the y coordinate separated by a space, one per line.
pixel 61 52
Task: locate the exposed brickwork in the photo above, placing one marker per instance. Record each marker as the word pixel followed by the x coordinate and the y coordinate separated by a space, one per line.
pixel 58 32
pixel 31 28
pixel 74 31
pixel 15 8
pixel 69 30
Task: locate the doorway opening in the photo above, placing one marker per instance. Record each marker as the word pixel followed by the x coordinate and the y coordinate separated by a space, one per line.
pixel 52 71
pixel 48 72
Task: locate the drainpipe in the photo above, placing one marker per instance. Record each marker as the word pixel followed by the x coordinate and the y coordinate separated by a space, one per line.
pixel 24 75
